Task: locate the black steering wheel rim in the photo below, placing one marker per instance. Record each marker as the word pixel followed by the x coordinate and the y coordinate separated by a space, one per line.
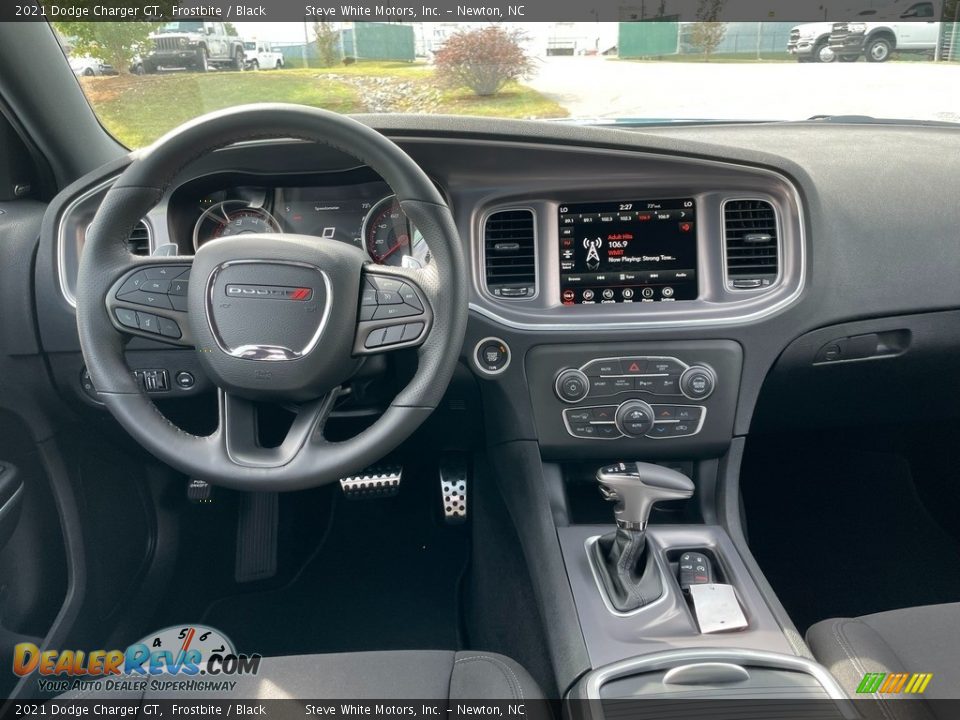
pixel 315 461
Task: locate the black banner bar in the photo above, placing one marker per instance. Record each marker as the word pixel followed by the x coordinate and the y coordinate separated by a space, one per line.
pixel 518 11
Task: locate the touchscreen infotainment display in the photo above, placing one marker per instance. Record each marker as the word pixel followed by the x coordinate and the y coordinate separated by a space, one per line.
pixel 624 252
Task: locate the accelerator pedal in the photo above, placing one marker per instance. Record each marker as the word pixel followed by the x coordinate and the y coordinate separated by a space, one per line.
pixel 453 488
pixel 257 527
pixel 373 482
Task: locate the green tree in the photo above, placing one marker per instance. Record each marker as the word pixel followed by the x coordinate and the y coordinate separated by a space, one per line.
pixel 328 43
pixel 707 33
pixel 111 42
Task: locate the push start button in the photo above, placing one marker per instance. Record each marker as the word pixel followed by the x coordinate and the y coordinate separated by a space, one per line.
pixel 492 356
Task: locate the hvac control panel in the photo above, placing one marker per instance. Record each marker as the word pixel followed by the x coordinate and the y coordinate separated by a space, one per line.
pixel 666 385
pixel 663 397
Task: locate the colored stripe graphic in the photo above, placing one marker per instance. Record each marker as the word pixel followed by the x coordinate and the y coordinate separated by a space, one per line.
pixel 893 683
pixel 870 682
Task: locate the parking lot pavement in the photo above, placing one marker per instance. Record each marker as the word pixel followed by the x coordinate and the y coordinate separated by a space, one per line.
pixel 752 90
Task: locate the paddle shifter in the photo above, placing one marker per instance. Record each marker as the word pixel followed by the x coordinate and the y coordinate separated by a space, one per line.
pixel 629 575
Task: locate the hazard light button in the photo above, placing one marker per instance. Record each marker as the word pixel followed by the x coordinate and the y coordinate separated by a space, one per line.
pixel 633 365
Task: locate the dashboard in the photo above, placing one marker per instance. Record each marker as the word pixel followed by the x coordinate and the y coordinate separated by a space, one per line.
pixel 607 269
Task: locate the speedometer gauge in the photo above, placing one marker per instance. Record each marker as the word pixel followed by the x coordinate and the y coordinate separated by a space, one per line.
pixel 232 217
pixel 386 232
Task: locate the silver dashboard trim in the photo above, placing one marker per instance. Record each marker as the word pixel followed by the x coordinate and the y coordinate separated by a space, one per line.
pixel 62 240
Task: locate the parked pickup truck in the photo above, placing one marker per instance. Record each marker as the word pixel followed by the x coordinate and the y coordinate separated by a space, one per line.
pixel 259 54
pixel 194 45
pixel 913 29
pixel 809 42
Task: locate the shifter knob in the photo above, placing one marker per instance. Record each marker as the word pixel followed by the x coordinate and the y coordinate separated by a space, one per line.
pixel 637 487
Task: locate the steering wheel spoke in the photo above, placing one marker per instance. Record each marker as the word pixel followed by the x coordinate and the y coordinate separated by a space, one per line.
pixel 239 431
pixel 395 310
pixel 150 300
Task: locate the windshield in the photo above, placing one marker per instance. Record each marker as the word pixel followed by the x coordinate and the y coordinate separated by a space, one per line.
pixel 142 84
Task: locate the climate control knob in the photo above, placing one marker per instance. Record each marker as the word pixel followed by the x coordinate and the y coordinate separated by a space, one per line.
pixel 634 418
pixel 698 382
pixel 572 386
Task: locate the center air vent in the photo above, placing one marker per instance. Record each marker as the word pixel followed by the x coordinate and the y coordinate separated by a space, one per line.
pixel 139 241
pixel 509 247
pixel 752 243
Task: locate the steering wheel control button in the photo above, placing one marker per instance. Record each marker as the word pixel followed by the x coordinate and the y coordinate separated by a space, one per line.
pixel 369 297
pixel 185 380
pixel 393 334
pixel 635 418
pixel 375 338
pixel 132 283
pixel 492 356
pixel 572 386
pixel 388 297
pixel 386 284
pixel 698 382
pixel 410 297
pixel 411 331
pixel 148 323
pixel 127 317
pixel 169 328
pixel 178 287
pixel 389 312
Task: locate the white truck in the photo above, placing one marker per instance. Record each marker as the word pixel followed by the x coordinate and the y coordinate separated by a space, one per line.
pixel 260 55
pixel 874 33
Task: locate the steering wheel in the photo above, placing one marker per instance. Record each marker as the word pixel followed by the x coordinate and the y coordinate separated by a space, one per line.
pixel 281 318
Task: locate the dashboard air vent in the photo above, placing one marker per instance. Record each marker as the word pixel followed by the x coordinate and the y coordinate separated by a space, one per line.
pixel 139 241
pixel 750 229
pixel 509 247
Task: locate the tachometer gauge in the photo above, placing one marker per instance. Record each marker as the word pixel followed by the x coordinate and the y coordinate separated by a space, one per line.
pixel 386 232
pixel 232 217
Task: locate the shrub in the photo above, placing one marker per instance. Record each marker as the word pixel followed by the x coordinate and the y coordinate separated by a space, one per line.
pixel 483 60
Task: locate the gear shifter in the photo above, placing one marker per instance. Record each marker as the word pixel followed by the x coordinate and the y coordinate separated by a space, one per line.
pixel 630 575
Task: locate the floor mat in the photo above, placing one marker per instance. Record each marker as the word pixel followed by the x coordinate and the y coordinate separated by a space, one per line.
pixel 386 578
pixel 842 533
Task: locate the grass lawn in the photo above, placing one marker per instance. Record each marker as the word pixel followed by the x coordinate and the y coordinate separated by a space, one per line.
pixel 139 109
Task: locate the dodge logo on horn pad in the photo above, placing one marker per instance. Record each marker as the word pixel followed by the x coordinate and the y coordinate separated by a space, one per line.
pixel 269 292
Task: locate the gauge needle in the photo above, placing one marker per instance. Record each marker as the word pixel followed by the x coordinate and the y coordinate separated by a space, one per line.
pixel 401 241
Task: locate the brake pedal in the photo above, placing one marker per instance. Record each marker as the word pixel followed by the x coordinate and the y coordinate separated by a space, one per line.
pixel 453 489
pixel 373 482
